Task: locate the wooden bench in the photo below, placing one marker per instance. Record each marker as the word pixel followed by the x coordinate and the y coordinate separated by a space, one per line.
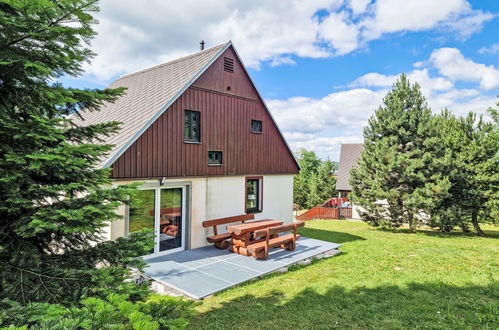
pixel 220 240
pixel 260 250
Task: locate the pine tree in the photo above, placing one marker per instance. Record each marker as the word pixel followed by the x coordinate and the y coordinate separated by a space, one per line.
pixel 397 180
pixel 54 201
pixel 472 166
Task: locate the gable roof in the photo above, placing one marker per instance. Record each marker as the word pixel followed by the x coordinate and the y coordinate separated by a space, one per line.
pixel 149 93
pixel 349 155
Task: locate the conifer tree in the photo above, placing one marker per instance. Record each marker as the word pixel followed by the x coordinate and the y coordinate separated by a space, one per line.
pixel 472 166
pixel 309 164
pixel 322 184
pixel 54 201
pixel 397 179
pixel 315 182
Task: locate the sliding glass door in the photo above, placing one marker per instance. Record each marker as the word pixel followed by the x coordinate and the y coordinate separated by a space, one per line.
pixel 163 210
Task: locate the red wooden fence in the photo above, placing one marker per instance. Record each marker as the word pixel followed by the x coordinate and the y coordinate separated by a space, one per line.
pixel 327 211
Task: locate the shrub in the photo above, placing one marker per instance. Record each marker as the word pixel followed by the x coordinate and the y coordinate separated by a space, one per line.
pixel 115 312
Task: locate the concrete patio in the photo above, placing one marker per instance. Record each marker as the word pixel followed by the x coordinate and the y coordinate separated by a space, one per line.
pixel 204 271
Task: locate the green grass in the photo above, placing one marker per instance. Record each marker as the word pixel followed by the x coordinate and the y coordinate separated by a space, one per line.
pixel 383 279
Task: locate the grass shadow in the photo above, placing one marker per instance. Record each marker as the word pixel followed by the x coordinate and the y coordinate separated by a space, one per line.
pixel 329 236
pixel 415 305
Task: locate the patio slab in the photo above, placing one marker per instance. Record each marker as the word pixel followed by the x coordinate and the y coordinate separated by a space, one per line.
pixel 204 271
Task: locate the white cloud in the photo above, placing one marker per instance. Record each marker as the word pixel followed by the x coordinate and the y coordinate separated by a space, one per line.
pixel 419 15
pixel 322 124
pixel 326 147
pixel 339 33
pixel 282 60
pixel 358 6
pixel 133 35
pixel 453 65
pixel 334 112
pixel 428 84
pixel 492 49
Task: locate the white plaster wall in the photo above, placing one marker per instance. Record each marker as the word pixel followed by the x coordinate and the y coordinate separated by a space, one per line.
pixel 277 198
pixel 218 197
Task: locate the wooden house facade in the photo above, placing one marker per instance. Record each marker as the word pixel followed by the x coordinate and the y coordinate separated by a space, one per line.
pixel 200 139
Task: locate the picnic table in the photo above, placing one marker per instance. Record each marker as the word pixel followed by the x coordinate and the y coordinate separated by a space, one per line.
pixel 242 234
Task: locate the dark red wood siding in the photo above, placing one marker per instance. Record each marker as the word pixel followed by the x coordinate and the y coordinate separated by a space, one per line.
pixel 215 78
pixel 225 125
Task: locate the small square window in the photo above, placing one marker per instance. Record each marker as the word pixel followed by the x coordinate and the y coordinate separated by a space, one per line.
pixel 256 126
pixel 214 157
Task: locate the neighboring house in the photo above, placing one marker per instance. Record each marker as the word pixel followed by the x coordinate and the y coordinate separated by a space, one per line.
pixel 349 156
pixel 198 135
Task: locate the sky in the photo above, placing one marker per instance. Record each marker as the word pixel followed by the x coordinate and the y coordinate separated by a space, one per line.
pixel 322 66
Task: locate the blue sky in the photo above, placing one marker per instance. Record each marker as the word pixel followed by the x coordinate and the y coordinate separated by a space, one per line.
pixel 323 66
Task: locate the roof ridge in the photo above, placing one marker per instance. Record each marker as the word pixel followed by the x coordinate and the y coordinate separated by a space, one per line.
pixel 183 58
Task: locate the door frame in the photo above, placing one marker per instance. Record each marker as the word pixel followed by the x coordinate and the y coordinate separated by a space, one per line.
pixel 157 206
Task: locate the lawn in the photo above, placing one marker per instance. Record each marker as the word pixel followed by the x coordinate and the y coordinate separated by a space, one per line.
pixel 383 279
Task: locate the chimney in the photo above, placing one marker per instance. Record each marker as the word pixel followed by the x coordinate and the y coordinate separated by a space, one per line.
pixel 202 44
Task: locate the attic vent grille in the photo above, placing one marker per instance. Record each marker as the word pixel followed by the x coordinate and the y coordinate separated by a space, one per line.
pixel 228 64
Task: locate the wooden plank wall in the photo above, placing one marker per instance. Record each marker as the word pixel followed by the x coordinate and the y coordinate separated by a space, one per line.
pixel 225 126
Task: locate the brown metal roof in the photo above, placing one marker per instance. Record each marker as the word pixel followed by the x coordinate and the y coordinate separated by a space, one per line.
pixel 349 155
pixel 149 93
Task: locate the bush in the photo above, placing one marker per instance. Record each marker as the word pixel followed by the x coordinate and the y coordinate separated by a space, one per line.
pixel 115 312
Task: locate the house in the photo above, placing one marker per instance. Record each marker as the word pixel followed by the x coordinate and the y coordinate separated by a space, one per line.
pixel 349 156
pixel 198 136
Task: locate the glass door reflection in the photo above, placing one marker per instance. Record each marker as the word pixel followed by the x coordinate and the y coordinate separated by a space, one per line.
pixel 170 220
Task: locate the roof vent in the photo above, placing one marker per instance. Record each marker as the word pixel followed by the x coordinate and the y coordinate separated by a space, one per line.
pixel 201 44
pixel 228 64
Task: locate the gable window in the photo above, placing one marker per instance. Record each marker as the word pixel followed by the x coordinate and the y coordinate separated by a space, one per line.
pixel 256 126
pixel 192 126
pixel 254 195
pixel 214 157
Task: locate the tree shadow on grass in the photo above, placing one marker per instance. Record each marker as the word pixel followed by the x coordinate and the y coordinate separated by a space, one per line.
pixel 429 305
pixel 434 233
pixel 329 236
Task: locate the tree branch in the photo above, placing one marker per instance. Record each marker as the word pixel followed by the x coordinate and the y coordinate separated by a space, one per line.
pixel 60 19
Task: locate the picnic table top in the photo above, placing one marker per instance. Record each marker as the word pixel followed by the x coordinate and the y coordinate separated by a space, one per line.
pixel 243 228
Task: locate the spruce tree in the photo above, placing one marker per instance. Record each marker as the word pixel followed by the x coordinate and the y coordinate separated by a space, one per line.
pixel 54 201
pixel 397 180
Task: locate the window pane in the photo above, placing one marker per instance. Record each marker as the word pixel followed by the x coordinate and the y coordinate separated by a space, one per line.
pixel 195 126
pixel 141 213
pixel 187 126
pixel 192 125
pixel 256 126
pixel 214 157
pixel 170 225
pixel 252 195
